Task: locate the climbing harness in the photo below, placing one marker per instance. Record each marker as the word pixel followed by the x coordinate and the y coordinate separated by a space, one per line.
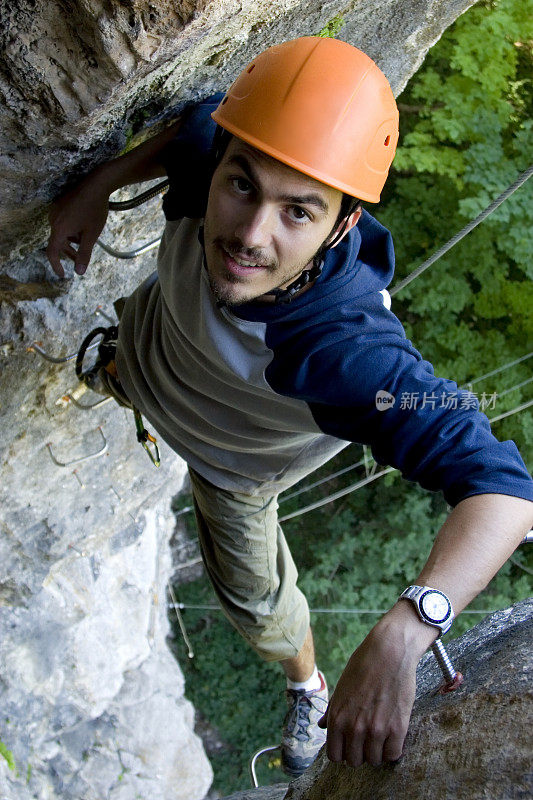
pixel 106 354
pixel 102 378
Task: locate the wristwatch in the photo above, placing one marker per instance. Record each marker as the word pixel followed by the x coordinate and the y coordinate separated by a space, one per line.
pixel 432 606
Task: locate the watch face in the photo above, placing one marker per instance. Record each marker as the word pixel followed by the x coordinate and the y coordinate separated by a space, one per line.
pixel 434 606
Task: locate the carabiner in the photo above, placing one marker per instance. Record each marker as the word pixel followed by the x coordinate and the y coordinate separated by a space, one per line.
pixel 144 437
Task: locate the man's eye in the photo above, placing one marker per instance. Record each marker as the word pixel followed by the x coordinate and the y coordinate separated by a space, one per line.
pixel 241 185
pixel 298 214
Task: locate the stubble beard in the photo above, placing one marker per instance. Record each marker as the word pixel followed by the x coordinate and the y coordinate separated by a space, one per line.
pixel 228 296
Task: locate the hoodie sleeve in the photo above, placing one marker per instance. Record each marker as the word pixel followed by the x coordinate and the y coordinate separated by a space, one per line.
pixel 188 164
pixel 365 382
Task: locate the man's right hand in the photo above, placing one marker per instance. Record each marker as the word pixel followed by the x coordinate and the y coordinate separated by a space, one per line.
pixel 77 218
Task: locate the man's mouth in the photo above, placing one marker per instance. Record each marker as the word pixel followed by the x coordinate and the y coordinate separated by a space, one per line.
pixel 239 265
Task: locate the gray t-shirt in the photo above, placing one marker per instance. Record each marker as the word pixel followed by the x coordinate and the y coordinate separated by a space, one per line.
pixel 197 372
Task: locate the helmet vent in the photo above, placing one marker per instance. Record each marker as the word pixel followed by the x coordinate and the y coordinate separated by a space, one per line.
pixel 387 141
pixel 225 100
pixel 250 68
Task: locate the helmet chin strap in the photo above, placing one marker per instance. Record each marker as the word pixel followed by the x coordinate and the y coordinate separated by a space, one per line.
pixel 308 275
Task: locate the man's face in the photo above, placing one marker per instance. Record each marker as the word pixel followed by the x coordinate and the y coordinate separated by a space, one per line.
pixel 264 223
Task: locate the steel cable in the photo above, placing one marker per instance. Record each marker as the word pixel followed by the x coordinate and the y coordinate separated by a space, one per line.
pixel 522 178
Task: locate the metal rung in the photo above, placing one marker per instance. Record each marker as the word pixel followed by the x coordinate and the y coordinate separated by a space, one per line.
pixel 175 605
pixel 36 348
pixel 129 253
pixel 253 761
pixel 88 406
pixel 100 452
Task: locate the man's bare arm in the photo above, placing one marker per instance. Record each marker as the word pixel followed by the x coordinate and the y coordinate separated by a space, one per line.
pixel 368 716
pixel 79 216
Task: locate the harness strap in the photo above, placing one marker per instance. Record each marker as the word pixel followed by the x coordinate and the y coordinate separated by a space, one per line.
pixel 102 376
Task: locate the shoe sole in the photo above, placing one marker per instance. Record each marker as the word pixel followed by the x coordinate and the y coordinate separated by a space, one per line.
pixel 294 772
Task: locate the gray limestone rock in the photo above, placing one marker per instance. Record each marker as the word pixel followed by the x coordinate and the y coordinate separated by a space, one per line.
pixel 92 700
pixel 276 792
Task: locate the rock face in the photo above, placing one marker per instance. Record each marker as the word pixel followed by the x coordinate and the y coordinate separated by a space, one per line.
pixel 471 744
pixel 91 703
pixel 92 700
pixel 276 792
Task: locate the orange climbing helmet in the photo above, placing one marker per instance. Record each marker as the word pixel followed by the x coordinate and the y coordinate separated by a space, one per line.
pixel 320 106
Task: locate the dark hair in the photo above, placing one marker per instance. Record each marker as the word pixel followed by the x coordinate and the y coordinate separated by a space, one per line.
pixel 221 139
pixel 349 204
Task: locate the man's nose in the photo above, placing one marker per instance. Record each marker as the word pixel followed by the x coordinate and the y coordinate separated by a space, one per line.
pixel 256 226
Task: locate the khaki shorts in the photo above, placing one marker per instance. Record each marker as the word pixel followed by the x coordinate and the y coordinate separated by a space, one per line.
pixel 251 568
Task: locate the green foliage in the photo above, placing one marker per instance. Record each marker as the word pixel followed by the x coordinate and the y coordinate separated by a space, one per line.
pixel 238 693
pixel 332 28
pixel 465 137
pixel 137 132
pixel 8 755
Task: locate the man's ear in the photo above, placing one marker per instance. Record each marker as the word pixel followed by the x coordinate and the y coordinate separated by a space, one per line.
pixel 347 225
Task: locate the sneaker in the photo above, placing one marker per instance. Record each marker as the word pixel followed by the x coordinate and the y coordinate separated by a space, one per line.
pixel 302 738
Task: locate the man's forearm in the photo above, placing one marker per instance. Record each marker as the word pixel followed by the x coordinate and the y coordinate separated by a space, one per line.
pixel 79 217
pixel 143 163
pixel 477 538
pixel 369 712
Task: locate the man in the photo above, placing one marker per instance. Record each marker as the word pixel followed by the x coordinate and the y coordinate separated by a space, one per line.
pixel 258 351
